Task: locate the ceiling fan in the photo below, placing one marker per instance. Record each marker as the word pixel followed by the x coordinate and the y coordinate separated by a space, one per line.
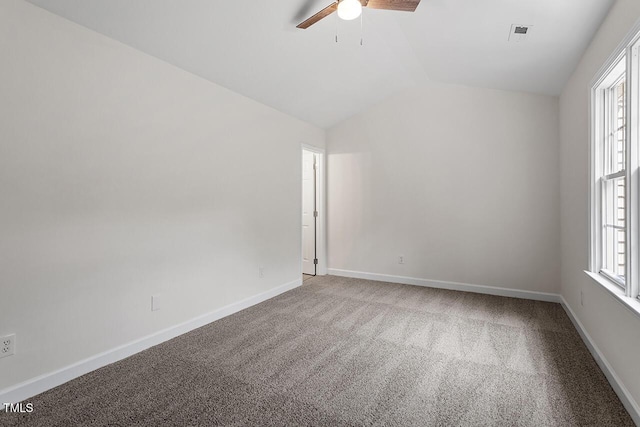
pixel 351 9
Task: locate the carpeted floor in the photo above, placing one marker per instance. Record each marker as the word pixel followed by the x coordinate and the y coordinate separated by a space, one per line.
pixel 340 352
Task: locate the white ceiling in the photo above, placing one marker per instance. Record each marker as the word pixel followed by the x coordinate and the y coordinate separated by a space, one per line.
pixel 253 47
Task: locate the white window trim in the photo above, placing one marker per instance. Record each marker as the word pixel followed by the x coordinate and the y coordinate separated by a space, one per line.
pixel 629 48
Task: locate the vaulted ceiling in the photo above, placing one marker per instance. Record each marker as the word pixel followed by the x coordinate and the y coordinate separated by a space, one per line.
pixel 254 48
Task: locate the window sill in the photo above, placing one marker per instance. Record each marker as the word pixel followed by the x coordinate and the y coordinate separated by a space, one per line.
pixel 618 294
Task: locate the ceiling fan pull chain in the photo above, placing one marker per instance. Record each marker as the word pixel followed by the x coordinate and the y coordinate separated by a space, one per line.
pixel 361 31
pixel 337 22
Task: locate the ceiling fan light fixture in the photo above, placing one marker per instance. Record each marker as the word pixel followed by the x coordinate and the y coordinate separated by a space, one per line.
pixel 349 9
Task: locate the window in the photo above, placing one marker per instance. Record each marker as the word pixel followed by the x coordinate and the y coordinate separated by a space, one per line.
pixel 615 175
pixel 613 178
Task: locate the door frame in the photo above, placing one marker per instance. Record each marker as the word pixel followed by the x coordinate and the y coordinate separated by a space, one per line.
pixel 321 203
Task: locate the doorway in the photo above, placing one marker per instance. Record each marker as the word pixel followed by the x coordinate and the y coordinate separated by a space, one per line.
pixel 313 260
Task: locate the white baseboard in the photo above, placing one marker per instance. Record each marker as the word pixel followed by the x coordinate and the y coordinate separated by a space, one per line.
pixel 454 286
pixel 618 386
pixel 50 380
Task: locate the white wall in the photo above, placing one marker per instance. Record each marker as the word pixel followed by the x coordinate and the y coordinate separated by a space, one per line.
pixel 463 182
pixel 122 177
pixel 614 329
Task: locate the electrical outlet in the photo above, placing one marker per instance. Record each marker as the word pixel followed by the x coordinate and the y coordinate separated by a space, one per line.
pixel 8 345
pixel 156 302
pixel 261 272
pixel 401 259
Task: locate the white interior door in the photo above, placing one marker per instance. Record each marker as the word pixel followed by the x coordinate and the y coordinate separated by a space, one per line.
pixel 308 212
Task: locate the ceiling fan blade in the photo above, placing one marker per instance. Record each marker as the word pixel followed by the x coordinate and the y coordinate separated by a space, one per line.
pixel 318 16
pixel 404 5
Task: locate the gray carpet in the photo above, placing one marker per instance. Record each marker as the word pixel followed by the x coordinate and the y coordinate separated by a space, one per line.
pixel 340 352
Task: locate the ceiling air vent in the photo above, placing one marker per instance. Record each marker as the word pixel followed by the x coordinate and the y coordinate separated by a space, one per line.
pixel 519 33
